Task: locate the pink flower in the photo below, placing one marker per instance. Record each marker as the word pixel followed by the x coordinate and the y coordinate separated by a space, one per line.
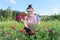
pixel 18 17
pixel 22 15
pixel 48 30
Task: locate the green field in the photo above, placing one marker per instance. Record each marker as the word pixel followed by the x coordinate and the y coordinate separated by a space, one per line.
pixel 10 30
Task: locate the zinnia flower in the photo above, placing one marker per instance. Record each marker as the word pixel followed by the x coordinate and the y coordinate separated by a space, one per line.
pixel 18 17
pixel 48 30
pixel 13 27
pixel 30 32
pixel 23 15
pixel 22 30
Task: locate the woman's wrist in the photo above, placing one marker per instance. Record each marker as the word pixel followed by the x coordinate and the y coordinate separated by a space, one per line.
pixel 26 26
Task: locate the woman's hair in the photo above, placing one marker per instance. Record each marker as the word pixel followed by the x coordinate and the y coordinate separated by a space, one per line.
pixel 29 6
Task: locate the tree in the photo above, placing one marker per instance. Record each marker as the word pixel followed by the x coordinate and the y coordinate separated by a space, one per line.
pixel 14 15
pixel 1 12
pixel 8 13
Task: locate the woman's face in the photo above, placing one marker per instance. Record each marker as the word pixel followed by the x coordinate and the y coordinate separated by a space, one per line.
pixel 30 11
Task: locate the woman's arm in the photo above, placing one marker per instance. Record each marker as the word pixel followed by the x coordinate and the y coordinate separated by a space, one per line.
pixel 25 22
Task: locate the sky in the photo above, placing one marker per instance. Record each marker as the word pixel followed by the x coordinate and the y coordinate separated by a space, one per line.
pixel 41 7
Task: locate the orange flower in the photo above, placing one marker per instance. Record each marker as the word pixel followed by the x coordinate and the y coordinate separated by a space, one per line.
pixel 13 27
pixel 22 30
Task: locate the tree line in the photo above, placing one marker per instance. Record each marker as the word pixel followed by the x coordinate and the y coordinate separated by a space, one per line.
pixel 9 14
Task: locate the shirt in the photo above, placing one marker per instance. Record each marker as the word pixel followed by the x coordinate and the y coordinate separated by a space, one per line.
pixel 31 21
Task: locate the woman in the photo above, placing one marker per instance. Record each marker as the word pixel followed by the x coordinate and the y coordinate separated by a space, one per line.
pixel 30 19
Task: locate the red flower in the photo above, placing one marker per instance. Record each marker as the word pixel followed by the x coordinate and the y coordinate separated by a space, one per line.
pixel 22 15
pixel 30 32
pixel 13 27
pixel 22 30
